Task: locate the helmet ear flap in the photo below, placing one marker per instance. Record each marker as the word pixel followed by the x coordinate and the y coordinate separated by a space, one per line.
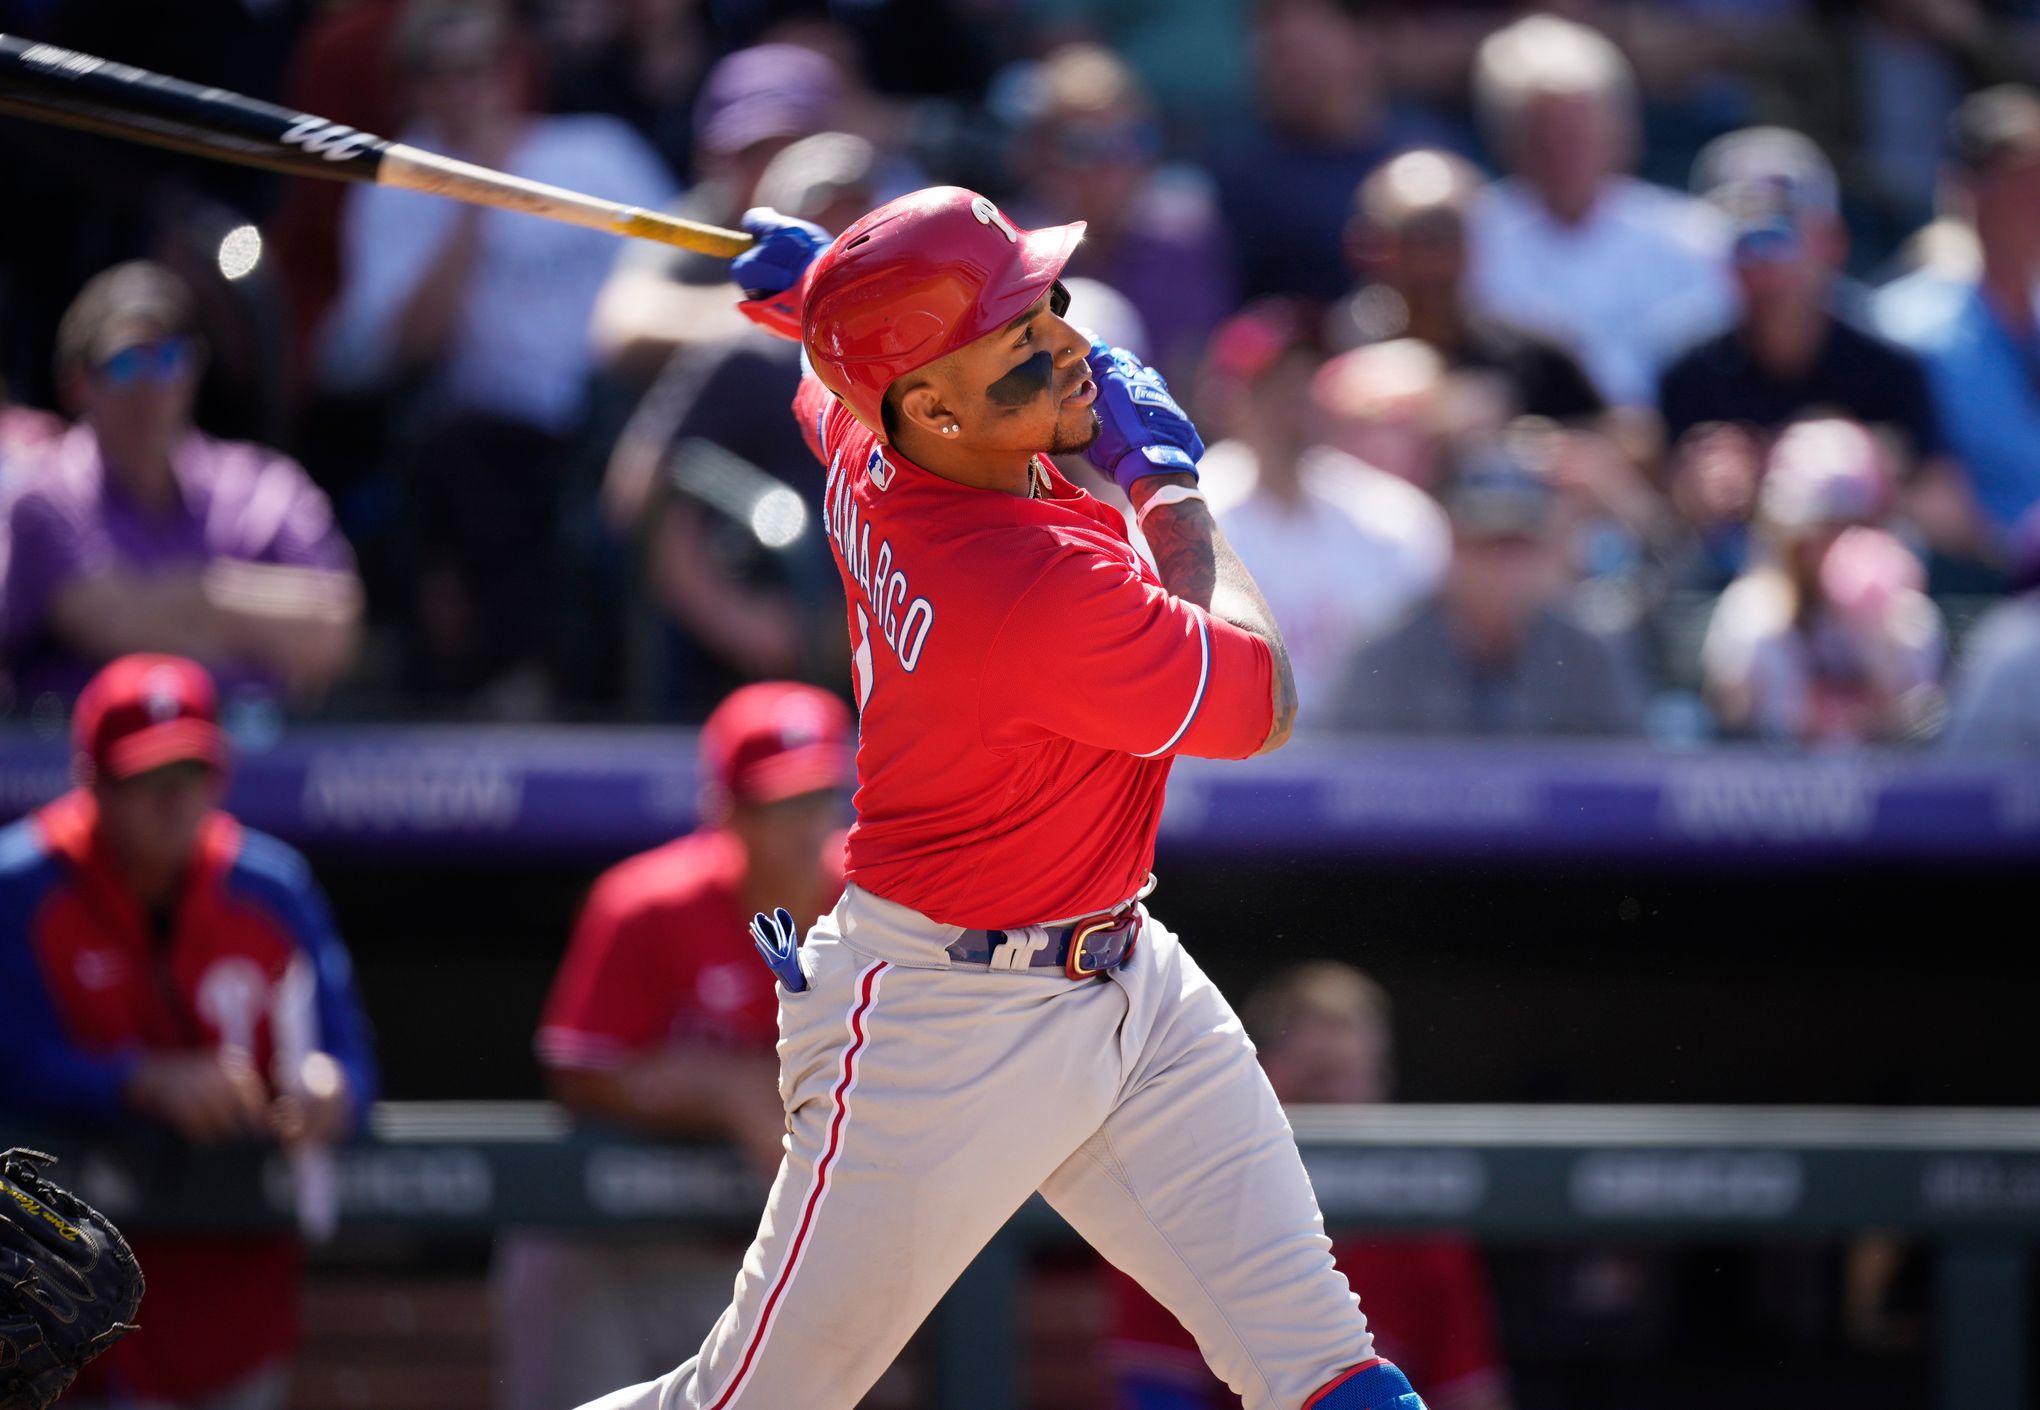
pixel 1058 298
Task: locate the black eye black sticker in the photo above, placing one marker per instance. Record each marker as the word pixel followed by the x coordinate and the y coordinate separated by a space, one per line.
pixel 1024 383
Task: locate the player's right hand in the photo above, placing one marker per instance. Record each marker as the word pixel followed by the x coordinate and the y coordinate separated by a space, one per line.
pixel 213 1096
pixel 1142 429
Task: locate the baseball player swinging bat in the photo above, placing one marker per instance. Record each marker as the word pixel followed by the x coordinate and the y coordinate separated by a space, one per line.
pixel 48 84
pixel 991 1011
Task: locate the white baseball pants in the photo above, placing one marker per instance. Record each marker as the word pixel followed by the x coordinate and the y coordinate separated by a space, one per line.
pixel 926 1103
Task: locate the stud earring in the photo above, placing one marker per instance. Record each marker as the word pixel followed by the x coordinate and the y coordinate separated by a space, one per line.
pixel 951 429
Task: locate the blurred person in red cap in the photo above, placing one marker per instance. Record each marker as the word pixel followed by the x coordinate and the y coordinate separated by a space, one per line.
pixel 162 965
pixel 662 1020
pixel 1324 1033
pixel 136 531
pixel 1828 637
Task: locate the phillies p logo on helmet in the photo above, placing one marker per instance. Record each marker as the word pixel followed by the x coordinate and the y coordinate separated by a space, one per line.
pixel 988 214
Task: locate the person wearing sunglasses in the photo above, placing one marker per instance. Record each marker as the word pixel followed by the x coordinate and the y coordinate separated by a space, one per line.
pixel 136 531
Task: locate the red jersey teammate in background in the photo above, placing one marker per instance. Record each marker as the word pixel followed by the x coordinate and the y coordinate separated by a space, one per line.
pixel 160 964
pixel 663 1021
pixel 989 1010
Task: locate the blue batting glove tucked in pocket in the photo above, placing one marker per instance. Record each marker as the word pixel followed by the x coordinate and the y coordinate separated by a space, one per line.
pixel 778 941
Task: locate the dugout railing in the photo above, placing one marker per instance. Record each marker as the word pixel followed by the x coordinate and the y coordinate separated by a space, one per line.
pixel 1966 1182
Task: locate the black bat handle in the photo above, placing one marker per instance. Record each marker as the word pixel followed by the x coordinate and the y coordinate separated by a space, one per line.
pixel 42 80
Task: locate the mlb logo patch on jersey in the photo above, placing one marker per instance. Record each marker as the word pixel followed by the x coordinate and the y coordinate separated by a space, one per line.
pixel 878 469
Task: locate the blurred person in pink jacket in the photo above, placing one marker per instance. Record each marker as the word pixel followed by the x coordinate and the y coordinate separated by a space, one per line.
pixel 1828 637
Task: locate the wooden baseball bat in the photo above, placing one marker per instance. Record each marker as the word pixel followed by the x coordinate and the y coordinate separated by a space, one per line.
pixel 48 84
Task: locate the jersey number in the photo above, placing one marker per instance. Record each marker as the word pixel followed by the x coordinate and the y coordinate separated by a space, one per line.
pixel 860 659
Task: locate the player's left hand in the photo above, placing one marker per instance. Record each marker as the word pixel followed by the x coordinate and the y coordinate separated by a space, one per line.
pixel 1143 431
pixel 785 248
pixel 769 272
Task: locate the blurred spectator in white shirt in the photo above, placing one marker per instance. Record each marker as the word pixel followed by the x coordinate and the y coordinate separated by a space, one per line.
pixel 491 305
pixel 1342 550
pixel 485 313
pixel 1997 695
pixel 1621 272
pixel 1828 638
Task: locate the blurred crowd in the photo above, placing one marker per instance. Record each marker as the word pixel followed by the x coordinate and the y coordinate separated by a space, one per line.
pixel 1621 368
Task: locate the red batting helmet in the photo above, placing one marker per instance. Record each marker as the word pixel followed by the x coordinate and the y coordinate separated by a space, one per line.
pixel 914 281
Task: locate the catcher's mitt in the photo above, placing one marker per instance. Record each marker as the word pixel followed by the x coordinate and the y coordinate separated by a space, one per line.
pixel 68 1284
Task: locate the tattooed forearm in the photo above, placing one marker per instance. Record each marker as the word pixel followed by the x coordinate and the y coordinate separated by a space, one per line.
pixel 1185 543
pixel 1198 565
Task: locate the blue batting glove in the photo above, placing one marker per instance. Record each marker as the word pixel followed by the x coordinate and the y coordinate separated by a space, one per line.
pixel 785 248
pixel 1142 429
pixel 778 941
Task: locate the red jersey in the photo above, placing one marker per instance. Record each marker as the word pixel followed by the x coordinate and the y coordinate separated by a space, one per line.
pixel 1427 1302
pixel 1022 680
pixel 662 954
